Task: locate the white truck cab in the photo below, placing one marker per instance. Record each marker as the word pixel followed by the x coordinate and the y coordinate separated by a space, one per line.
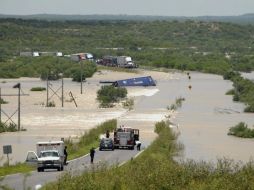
pixel 50 155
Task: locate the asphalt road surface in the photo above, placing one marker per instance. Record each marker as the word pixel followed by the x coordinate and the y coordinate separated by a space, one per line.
pixel 74 167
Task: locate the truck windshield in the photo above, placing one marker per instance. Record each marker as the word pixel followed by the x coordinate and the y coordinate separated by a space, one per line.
pixel 46 154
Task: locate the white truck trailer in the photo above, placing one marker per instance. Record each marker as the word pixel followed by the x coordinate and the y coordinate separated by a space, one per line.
pixel 125 61
pixel 48 155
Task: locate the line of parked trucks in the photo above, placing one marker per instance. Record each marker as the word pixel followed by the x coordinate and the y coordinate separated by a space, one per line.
pixel 117 61
pixel 112 61
pixel 50 154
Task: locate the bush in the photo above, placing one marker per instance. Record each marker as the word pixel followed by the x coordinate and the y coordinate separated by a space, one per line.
pixel 230 92
pixel 2 101
pixel 87 68
pixel 129 103
pixel 108 95
pixel 11 127
pixel 51 104
pixel 249 108
pixel 241 130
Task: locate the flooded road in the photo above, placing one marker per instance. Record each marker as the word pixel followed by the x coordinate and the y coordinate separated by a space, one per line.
pixel 204 118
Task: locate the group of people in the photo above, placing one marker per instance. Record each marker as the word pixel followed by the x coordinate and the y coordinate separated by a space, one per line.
pixel 92 150
pixel 92 153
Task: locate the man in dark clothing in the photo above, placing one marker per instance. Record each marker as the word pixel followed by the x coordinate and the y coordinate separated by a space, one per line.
pixel 65 155
pixel 92 152
pixel 107 134
pixel 138 143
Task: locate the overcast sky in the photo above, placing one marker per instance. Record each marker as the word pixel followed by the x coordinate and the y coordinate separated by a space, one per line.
pixel 130 7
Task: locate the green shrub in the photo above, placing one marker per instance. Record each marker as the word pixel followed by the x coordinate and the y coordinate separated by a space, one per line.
pixel 108 95
pixel 2 101
pixel 129 103
pixel 11 127
pixel 230 92
pixel 249 108
pixel 241 130
pixel 177 104
pixel 87 69
pixel 51 104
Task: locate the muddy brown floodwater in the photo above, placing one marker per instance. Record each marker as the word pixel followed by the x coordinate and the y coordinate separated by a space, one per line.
pixel 203 120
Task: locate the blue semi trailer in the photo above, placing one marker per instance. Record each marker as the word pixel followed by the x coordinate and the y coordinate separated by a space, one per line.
pixel 139 81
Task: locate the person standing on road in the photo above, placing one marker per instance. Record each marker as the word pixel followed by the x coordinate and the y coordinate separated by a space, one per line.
pixel 65 155
pixel 107 134
pixel 92 152
pixel 138 143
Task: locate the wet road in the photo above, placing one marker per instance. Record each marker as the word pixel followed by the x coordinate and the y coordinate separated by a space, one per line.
pixel 74 167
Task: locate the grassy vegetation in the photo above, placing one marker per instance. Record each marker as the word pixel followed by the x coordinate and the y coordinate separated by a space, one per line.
pixel 2 101
pixel 38 89
pixel 243 90
pixel 17 168
pixel 177 104
pixel 44 67
pixel 241 130
pixel 10 127
pixel 156 168
pixel 89 139
pixel 51 104
pixel 128 103
pixel 108 95
pixel 187 45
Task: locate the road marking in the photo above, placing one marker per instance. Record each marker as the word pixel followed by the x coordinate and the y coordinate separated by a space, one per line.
pixel 131 158
pixel 81 156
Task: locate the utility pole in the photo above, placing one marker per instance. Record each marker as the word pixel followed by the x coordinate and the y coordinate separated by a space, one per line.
pixel 47 103
pixel 19 88
pixel 62 92
pixel 81 78
pixel 0 106
pixel 19 109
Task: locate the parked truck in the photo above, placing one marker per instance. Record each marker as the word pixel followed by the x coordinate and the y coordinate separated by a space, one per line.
pixel 48 155
pixel 125 137
pixel 125 61
pixel 81 57
pixel 117 61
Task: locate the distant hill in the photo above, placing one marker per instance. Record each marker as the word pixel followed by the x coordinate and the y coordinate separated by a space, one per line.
pixel 241 19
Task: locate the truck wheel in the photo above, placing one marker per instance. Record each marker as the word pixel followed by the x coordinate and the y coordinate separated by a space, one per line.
pixel 39 169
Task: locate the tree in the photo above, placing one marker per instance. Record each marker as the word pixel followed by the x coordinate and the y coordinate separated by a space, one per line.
pixel 108 95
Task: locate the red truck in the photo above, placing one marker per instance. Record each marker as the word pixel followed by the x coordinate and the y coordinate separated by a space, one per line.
pixel 125 137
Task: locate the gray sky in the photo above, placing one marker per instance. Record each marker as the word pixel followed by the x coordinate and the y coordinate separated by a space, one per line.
pixel 130 7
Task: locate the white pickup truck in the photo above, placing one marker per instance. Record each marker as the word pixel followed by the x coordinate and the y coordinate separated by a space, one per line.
pixel 50 155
